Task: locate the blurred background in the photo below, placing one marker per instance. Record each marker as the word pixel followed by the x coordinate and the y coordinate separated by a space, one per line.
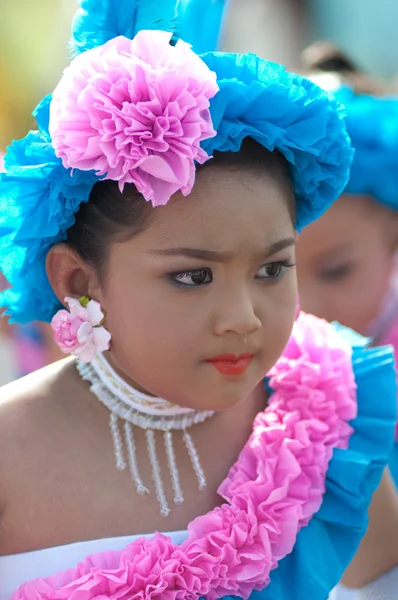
pixel 33 52
pixel 34 36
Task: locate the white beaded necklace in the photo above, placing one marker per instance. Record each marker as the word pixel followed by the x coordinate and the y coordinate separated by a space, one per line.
pixel 132 407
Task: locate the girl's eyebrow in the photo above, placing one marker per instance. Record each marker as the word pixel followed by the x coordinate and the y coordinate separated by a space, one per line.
pixel 335 253
pixel 215 256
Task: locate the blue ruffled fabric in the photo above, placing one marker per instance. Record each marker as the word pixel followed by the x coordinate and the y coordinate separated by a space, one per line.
pixel 285 112
pixel 38 200
pixel 326 546
pixel 373 127
pixel 98 21
pixel 393 464
pixel 197 22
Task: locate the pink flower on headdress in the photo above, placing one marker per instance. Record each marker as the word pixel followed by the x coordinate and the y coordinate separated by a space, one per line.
pixel 79 331
pixel 135 111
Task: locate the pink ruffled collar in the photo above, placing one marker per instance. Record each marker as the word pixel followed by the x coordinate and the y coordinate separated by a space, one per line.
pixel 272 491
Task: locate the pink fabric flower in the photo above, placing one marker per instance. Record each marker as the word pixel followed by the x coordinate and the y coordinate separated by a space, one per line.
pixel 272 491
pixel 135 112
pixel 79 331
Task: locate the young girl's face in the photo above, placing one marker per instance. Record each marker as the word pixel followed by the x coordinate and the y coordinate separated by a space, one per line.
pixel 212 275
pixel 344 262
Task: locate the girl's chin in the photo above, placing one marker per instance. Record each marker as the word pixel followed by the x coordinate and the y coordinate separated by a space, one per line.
pixel 227 398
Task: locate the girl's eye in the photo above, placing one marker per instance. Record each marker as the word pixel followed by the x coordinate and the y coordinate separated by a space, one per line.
pixel 193 278
pixel 337 273
pixel 274 270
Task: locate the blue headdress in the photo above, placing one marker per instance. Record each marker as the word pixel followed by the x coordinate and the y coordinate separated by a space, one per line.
pixel 39 194
pixel 372 124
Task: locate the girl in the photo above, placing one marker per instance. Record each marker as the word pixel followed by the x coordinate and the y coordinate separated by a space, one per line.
pixel 347 260
pixel 174 309
pixel 352 275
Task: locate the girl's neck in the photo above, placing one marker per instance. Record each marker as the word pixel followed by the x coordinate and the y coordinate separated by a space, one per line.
pixel 124 376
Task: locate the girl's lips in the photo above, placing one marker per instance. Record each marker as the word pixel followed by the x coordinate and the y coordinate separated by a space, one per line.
pixel 231 364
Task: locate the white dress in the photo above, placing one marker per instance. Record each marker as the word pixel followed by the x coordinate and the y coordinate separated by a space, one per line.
pixel 342 593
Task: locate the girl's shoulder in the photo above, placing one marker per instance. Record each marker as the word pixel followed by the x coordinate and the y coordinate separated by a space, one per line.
pixel 31 411
pixel 24 401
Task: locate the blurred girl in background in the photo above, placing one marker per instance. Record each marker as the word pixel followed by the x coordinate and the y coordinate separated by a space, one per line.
pixel 347 261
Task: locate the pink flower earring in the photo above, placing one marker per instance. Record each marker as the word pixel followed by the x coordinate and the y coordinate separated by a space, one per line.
pixel 79 330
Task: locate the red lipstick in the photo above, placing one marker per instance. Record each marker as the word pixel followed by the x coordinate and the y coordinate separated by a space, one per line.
pixel 231 364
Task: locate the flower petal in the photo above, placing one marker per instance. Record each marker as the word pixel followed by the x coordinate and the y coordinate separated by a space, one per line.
pixel 102 338
pixel 87 352
pixel 94 313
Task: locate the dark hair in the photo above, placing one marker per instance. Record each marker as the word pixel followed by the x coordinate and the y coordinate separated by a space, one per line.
pixel 326 57
pixel 110 215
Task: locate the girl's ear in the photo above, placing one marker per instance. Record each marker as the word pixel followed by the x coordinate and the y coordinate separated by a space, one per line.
pixel 68 274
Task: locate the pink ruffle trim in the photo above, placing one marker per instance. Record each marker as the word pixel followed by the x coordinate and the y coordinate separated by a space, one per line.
pixel 272 491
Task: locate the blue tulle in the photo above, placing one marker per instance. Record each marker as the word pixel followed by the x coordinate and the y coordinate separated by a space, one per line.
pixel 326 546
pixel 38 200
pixel 197 22
pixel 98 21
pixel 200 23
pixel 393 464
pixel 373 127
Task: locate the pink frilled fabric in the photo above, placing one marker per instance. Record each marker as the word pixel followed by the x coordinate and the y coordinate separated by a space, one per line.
pixel 272 491
pixel 135 111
